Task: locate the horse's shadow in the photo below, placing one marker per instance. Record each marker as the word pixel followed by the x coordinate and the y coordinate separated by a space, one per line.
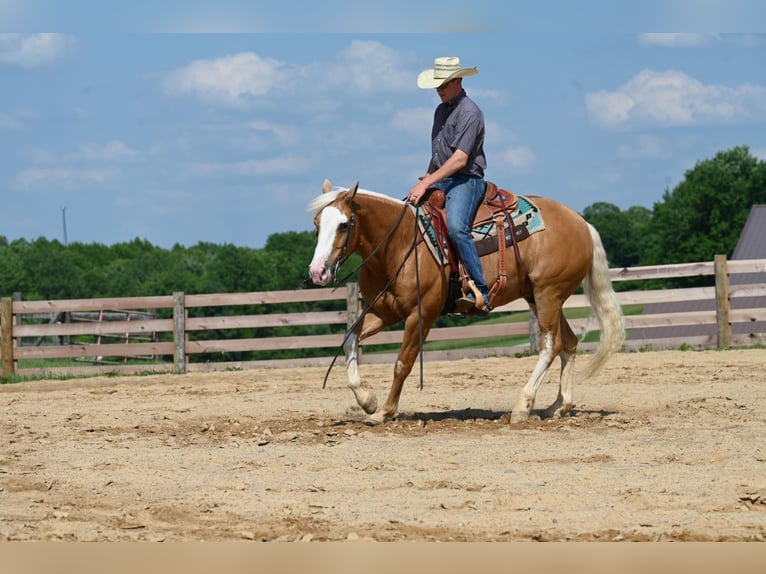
pixel 460 415
pixel 488 415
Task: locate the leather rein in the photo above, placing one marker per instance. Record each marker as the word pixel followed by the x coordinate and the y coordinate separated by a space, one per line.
pixel 342 259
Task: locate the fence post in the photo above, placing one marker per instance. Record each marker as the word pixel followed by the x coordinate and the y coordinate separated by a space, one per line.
pixel 722 302
pixel 179 331
pixel 6 335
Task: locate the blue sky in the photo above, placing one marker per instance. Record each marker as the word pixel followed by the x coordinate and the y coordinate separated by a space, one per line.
pixel 181 123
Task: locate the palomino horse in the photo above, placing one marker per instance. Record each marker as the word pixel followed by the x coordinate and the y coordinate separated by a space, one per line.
pixel 401 281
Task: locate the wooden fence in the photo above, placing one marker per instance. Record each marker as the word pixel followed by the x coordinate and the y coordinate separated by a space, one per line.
pixel 175 340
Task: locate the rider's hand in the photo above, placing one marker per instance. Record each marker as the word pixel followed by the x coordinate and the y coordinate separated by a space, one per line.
pixel 416 194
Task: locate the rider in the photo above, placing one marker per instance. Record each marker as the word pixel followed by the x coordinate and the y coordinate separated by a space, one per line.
pixel 457 167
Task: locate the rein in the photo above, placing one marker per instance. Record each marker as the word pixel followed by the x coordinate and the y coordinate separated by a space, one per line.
pixel 343 256
pixel 367 309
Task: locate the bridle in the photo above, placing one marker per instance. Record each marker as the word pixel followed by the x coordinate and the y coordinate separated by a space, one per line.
pixel 343 252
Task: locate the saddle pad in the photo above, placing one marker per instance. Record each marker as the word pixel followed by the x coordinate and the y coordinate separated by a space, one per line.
pixel 527 220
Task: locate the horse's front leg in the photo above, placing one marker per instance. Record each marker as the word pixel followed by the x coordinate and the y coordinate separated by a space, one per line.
pixel 364 395
pixel 404 362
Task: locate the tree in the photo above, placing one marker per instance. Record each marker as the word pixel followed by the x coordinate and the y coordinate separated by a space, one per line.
pixel 53 271
pixel 704 215
pixel 623 233
pixel 294 250
pixel 11 266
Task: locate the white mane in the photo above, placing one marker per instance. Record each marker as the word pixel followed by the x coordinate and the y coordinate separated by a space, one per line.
pixel 319 203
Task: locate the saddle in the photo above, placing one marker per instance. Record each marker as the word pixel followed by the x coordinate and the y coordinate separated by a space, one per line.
pixel 496 207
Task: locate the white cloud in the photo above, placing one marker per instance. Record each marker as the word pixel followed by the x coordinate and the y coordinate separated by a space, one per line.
pixel 62 178
pixel 371 67
pixel 365 67
pixel 673 98
pixel 518 156
pixel 88 165
pixel 32 50
pixel 230 80
pixel 488 96
pixel 285 164
pixel 676 39
pixel 113 150
pixel 413 120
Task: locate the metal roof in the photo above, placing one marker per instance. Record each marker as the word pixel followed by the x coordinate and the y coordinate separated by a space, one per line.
pixel 751 245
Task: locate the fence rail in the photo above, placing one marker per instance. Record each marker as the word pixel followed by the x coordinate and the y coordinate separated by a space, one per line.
pixel 175 339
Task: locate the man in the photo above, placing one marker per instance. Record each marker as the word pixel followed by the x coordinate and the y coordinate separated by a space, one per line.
pixel 457 167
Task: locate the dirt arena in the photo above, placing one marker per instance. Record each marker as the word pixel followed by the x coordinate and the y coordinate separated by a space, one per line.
pixel 662 446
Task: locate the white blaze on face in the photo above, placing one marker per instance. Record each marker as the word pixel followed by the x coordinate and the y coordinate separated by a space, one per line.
pixel 329 220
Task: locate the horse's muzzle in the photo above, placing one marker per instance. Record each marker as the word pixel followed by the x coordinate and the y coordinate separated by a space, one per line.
pixel 320 274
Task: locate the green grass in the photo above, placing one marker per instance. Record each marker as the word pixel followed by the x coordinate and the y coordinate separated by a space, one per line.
pixel 45 364
pixel 55 363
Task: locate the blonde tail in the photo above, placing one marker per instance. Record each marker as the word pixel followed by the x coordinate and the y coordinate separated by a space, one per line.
pixel 603 302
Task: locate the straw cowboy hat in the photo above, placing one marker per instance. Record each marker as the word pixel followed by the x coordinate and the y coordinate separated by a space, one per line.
pixel 445 69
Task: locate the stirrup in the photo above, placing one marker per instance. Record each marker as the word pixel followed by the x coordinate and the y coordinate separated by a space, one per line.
pixel 472 302
pixel 480 303
pixel 464 305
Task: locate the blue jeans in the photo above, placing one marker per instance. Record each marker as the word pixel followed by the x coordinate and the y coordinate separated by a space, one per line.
pixel 463 197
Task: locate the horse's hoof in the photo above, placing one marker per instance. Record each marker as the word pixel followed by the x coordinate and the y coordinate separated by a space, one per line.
pixel 559 413
pixel 519 417
pixel 378 418
pixel 371 405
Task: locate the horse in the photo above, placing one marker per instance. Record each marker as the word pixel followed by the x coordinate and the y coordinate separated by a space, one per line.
pixel 402 282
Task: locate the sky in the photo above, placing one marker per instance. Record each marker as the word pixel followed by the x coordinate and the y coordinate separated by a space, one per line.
pixel 187 122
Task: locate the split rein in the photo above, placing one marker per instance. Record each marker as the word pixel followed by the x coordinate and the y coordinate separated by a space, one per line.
pixel 368 308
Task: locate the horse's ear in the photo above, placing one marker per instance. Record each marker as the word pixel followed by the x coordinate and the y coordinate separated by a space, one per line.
pixel 326 186
pixel 353 190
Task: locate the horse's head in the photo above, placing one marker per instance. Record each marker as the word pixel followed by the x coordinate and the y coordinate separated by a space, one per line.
pixel 334 222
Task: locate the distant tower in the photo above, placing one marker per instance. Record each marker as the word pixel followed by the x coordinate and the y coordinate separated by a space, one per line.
pixel 63 222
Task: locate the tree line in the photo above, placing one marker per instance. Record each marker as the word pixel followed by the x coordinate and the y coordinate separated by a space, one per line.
pixel 701 217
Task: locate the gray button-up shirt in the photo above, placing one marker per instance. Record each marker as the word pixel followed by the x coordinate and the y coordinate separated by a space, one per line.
pixel 459 125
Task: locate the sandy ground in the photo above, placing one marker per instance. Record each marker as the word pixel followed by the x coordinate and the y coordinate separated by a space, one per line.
pixel 662 446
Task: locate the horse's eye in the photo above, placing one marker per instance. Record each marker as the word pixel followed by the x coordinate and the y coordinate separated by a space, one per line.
pixel 343 227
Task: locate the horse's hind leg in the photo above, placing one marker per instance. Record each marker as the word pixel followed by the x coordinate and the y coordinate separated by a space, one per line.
pixel 551 346
pixel 564 401
pixel 526 401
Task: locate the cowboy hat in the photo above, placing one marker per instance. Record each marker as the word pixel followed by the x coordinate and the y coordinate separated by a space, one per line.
pixel 445 69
